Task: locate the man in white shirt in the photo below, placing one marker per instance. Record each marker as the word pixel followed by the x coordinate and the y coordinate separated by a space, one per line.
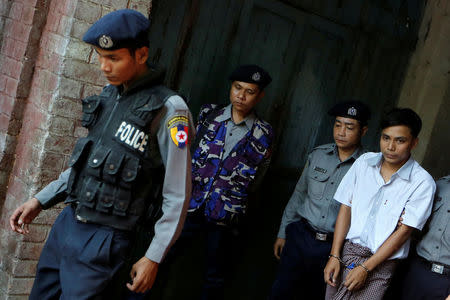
pixel 375 192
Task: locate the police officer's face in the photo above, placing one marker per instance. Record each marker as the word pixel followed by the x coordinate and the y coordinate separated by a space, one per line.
pixel 119 66
pixel 244 96
pixel 396 143
pixel 347 132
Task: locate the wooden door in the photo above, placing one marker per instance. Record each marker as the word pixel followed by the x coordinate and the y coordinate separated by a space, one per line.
pixel 317 52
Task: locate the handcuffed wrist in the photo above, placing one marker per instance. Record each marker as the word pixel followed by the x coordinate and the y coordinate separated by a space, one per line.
pixel 364 267
pixel 337 257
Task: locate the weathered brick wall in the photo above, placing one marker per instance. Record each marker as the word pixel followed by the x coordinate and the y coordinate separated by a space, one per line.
pixel 45 71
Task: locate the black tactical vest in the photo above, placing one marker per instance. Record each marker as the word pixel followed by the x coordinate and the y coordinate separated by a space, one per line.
pixel 117 170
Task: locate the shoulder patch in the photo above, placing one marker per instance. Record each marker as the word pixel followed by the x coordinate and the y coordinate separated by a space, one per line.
pixel 179 130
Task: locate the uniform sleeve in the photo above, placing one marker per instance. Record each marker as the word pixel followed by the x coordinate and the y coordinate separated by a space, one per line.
pixel 177 181
pixel 290 213
pixel 55 191
pixel 344 192
pixel 418 207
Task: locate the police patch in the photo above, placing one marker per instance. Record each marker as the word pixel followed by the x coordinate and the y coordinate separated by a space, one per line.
pixel 179 130
pixel 131 136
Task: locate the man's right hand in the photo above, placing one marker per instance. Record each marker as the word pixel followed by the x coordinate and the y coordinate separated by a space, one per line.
pixel 331 271
pixel 24 215
pixel 278 247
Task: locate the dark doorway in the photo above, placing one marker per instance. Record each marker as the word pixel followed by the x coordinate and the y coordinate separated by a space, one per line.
pixel 317 52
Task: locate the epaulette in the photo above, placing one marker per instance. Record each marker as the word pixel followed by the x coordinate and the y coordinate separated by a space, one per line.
pixel 325 147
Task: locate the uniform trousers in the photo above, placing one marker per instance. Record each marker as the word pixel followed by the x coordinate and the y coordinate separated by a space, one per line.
pixel 300 272
pixel 420 283
pixel 78 259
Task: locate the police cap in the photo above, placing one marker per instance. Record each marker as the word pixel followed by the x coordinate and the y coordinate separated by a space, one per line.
pixel 124 28
pixel 251 74
pixel 353 109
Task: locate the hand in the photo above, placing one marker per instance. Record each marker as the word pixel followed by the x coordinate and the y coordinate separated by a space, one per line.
pixel 400 220
pixel 143 274
pixel 355 278
pixel 24 215
pixel 331 271
pixel 278 247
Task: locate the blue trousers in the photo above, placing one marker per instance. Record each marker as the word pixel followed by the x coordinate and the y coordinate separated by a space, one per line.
pixel 300 272
pixel 422 284
pixel 78 259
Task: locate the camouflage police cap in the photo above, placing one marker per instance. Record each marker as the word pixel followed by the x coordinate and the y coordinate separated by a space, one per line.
pixel 251 74
pixel 124 28
pixel 353 109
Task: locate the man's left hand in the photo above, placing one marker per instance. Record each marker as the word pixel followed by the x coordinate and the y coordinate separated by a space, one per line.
pixel 143 274
pixel 355 279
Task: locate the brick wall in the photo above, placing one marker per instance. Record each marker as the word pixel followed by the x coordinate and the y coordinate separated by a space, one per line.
pixel 45 69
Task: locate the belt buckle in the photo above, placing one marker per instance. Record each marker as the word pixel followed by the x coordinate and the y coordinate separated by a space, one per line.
pixel 436 268
pixel 321 236
pixel 81 219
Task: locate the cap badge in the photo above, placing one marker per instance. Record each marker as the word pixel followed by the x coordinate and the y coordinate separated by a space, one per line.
pixel 352 111
pixel 256 76
pixel 105 42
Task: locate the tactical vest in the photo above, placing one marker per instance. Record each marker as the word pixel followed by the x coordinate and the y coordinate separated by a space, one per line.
pixel 222 183
pixel 117 170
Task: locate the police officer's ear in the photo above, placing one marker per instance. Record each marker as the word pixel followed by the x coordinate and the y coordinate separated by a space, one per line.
pixel 261 95
pixel 141 55
pixel 364 130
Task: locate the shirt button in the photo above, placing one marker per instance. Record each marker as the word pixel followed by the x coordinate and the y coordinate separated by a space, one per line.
pixel 95 160
pixel 332 182
pixel 437 247
pixel 111 167
pixel 439 229
pixel 88 194
pixel 323 217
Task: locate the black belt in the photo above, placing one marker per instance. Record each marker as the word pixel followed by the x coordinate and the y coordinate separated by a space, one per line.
pixel 435 267
pixel 318 235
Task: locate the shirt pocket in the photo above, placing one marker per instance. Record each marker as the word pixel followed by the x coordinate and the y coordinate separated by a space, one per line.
pixel 316 183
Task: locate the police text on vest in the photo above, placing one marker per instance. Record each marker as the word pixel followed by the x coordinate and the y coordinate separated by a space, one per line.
pixel 132 136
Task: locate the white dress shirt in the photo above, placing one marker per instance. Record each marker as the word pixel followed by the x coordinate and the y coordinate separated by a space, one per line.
pixel 376 206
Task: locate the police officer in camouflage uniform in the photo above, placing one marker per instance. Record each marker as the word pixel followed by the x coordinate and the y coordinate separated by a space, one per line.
pixel 136 152
pixel 231 152
pixel 306 231
pixel 428 275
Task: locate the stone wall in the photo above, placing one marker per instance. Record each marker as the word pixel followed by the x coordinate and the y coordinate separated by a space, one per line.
pixel 426 88
pixel 45 69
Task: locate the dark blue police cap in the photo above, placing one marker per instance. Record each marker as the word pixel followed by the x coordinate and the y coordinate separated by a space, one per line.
pixel 124 28
pixel 251 74
pixel 353 109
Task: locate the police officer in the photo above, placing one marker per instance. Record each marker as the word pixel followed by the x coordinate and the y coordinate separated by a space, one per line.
pixel 428 275
pixel 306 231
pixel 137 146
pixel 231 153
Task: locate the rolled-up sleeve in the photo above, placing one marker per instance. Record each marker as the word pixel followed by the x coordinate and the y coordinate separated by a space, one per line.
pixel 177 180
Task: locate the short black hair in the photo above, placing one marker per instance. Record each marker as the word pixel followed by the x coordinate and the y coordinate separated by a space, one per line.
pixel 403 116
